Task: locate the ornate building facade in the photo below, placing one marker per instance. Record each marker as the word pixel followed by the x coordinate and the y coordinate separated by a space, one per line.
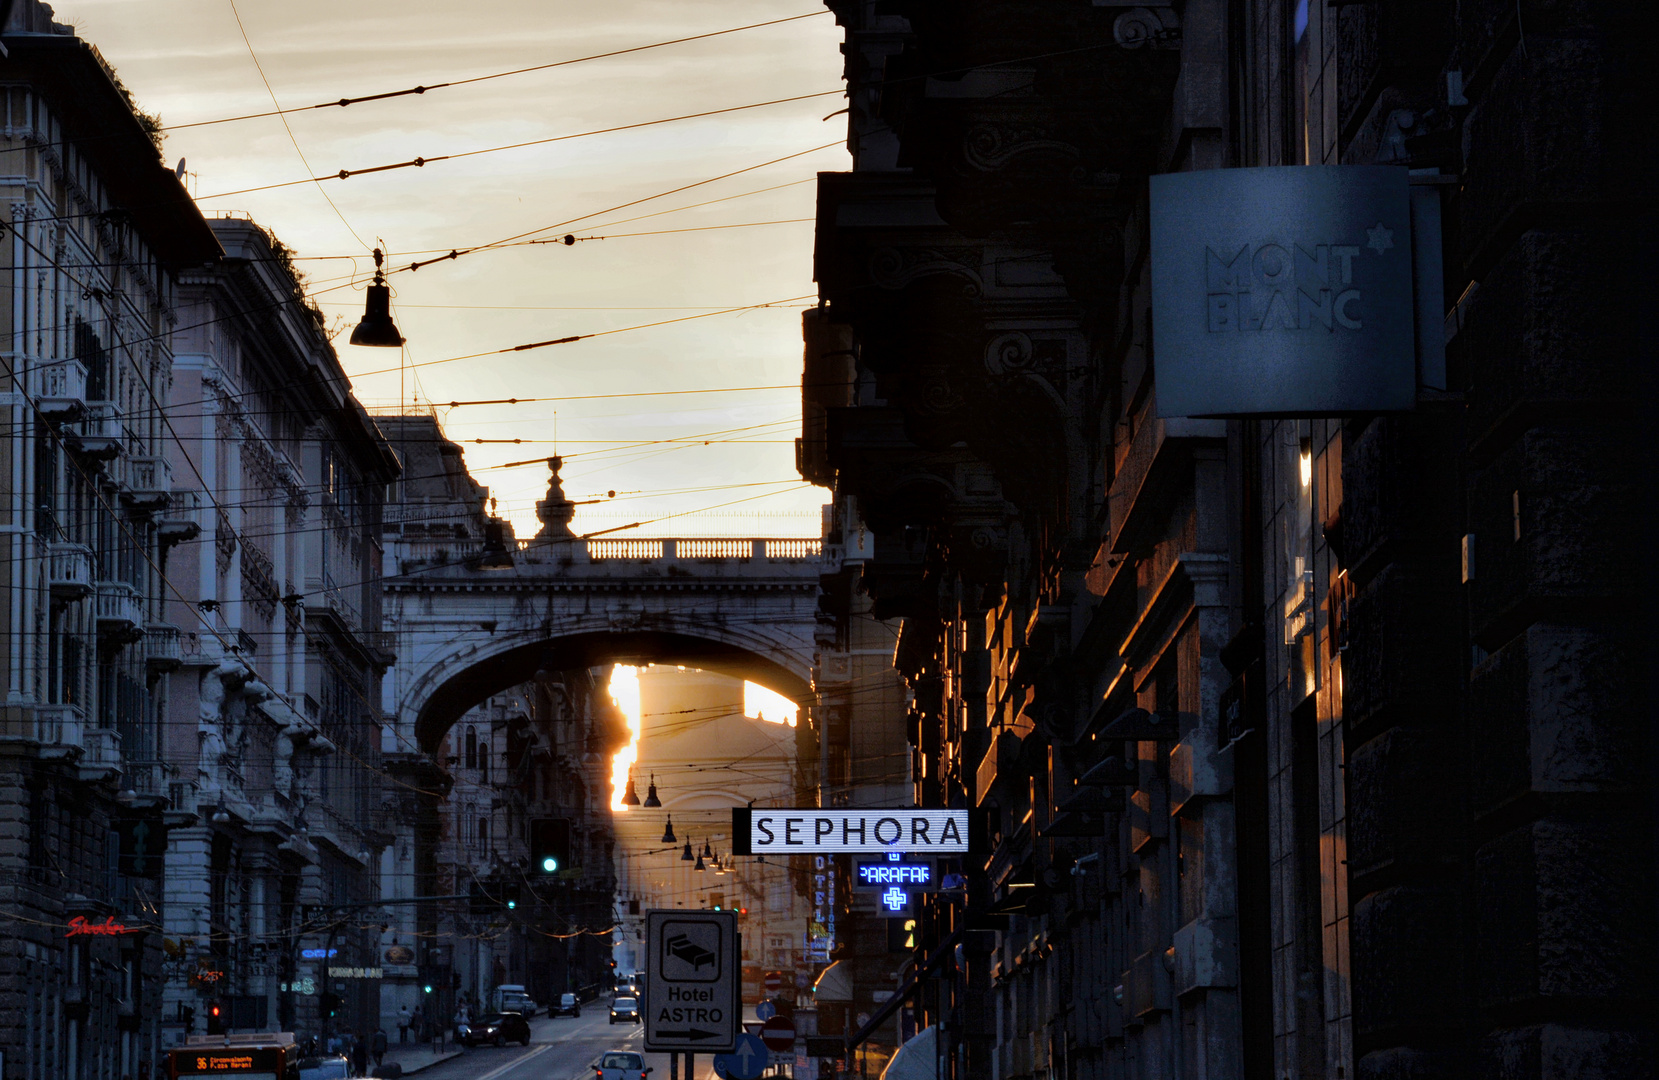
pixel 273 739
pixel 191 607
pixel 1293 734
pixel 96 232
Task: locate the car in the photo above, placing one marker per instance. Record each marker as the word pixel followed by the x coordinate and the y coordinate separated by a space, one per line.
pixel 620 1065
pixel 569 1005
pixel 333 1067
pixel 498 1028
pixel 682 946
pixel 625 1008
pixel 518 1003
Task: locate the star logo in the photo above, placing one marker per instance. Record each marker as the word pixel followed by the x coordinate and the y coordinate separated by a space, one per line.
pixel 1382 238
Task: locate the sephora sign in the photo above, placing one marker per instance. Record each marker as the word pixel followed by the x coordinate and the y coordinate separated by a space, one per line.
pixel 1283 291
pixel 811 830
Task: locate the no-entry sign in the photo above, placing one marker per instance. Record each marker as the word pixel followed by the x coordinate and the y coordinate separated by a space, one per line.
pixel 774 981
pixel 778 1034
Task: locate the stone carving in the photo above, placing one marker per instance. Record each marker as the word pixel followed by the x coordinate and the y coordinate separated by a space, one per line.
pixel 1146 26
pixel 211 719
pixel 556 510
pixel 894 268
pixel 989 146
pixel 282 763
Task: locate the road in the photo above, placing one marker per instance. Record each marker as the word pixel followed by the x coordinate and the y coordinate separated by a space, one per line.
pixel 561 1048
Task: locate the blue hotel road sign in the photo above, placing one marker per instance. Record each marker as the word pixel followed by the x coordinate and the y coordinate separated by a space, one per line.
pixel 1284 291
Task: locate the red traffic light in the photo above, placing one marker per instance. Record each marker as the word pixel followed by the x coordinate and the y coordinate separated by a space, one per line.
pixel 214 1010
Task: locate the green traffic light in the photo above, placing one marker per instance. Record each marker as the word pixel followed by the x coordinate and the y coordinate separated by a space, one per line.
pixel 550 865
pixel 427 988
pixel 511 904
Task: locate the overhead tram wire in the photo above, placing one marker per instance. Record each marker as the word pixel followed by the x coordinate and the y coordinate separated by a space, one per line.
pixel 419 90
pixel 285 126
pixel 422 162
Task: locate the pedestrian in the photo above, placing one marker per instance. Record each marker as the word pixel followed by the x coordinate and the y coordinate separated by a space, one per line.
pixel 403 1024
pixel 378 1046
pixel 417 1021
pixel 359 1054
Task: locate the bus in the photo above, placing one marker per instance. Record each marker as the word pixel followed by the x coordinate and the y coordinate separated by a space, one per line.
pixel 235 1057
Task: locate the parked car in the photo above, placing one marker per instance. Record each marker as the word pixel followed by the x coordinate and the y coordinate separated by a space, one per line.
pixel 620 1065
pixel 625 1008
pixel 499 1029
pixel 569 1005
pixel 518 1003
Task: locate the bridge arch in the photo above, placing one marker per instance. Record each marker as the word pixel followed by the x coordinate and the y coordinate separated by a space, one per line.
pixel 471 675
pixel 462 634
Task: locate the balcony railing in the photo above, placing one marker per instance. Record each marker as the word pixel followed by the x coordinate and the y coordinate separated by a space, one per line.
pixel 59 728
pixel 100 431
pixel 102 754
pixel 69 570
pixel 162 650
pixel 118 609
pixel 149 481
pixel 63 390
pixel 704 548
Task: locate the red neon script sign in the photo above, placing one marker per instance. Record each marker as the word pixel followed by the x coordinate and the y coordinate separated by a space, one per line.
pixel 109 927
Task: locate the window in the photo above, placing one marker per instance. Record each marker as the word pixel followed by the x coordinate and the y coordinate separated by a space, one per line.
pixel 484 832
pixel 472 748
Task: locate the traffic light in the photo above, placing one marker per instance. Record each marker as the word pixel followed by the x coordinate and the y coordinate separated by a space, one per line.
pixel 143 844
pixel 187 1016
pixel 215 1018
pixel 549 845
pixel 510 893
pixel 330 1004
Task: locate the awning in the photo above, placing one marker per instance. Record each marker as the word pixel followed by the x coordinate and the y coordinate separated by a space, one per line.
pixel 835 983
pixel 917 1059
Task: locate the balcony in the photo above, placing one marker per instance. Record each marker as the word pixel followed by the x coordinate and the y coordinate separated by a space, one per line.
pixel 100 431
pixel 149 483
pixel 69 570
pixel 63 390
pixel 58 729
pixel 102 753
pixel 162 650
pixel 119 611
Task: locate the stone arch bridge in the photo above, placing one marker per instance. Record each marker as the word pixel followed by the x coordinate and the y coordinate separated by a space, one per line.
pixel 745 607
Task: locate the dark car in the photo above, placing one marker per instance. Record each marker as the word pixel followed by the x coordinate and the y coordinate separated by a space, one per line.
pixel 625 1008
pixel 569 1005
pixel 498 1028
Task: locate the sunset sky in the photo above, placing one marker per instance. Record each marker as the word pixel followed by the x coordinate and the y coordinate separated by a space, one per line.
pixel 187 60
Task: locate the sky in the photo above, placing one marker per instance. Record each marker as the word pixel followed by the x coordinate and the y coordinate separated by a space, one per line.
pixel 187 61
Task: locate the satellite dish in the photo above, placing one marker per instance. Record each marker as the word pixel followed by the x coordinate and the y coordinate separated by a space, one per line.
pixel 178 170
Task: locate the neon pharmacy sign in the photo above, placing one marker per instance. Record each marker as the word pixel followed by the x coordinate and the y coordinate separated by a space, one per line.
pixel 883 875
pixel 817 831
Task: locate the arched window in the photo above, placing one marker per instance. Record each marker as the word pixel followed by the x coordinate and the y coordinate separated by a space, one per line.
pixel 484 831
pixel 472 748
pixel 483 761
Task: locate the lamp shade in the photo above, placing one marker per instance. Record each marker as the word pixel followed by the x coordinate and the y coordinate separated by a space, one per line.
pixel 377 327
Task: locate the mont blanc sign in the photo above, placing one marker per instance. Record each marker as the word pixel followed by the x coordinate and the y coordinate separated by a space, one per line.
pixel 1282 291
pixel 818 831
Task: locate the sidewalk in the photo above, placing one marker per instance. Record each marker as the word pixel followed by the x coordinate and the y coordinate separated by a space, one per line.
pixel 417 1056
